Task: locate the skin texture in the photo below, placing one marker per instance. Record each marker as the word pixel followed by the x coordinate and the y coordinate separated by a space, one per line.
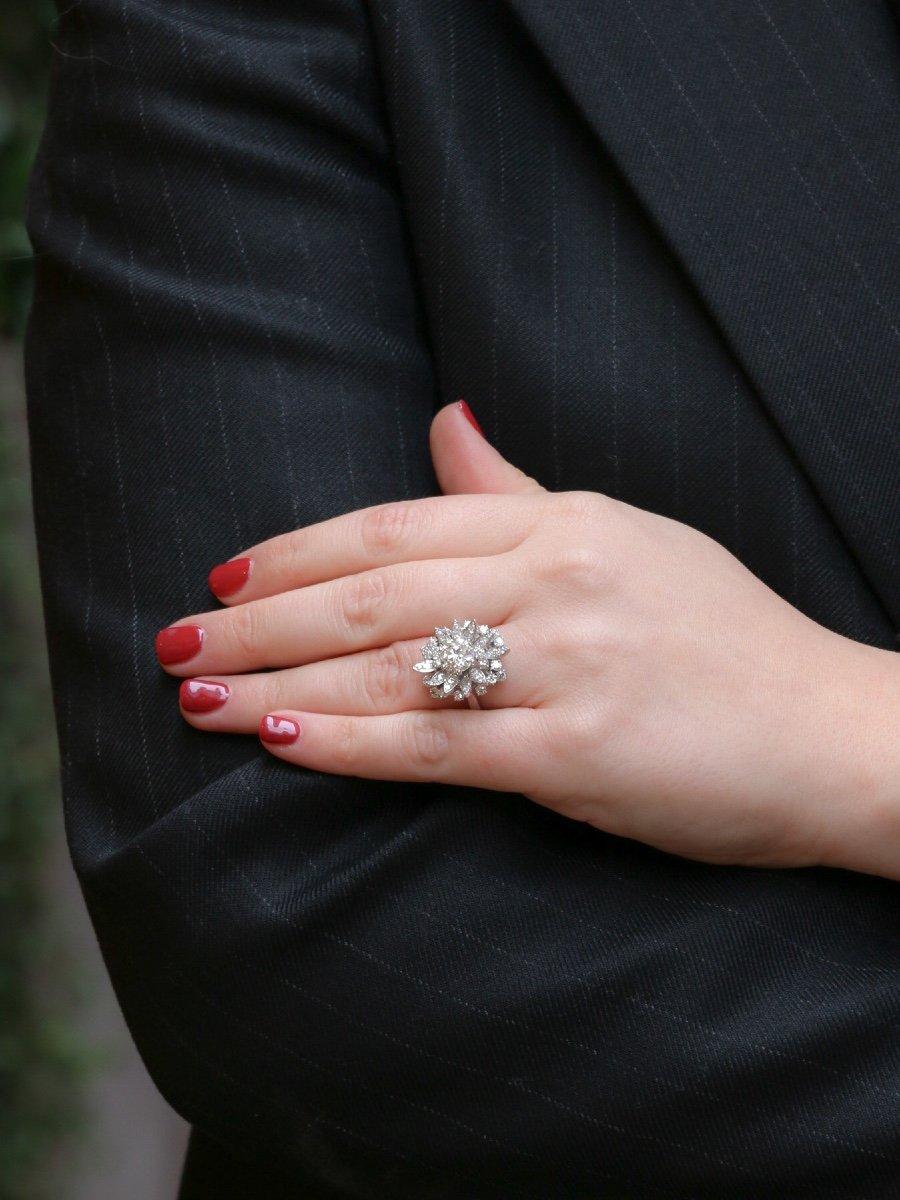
pixel 656 689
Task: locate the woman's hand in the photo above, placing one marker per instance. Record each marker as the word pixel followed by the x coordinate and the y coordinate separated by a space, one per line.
pixel 656 688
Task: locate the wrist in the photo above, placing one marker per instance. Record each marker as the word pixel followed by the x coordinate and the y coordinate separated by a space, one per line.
pixel 861 821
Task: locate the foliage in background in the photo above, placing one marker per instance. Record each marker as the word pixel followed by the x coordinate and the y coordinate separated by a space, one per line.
pixel 25 49
pixel 40 1061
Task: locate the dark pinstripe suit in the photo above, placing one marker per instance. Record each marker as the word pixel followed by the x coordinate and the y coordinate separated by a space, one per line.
pixel 655 244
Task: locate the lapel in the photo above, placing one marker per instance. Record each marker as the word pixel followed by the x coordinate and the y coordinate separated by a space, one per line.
pixel 764 140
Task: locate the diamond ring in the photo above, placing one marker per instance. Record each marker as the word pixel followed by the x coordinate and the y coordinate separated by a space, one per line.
pixel 462 661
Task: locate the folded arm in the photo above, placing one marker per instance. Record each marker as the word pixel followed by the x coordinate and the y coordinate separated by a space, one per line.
pixel 402 990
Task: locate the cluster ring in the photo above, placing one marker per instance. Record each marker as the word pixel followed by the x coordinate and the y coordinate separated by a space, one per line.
pixel 462 661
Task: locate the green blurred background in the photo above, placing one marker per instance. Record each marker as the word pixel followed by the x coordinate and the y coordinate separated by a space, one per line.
pixel 25 35
pixel 38 1064
pixel 79 1119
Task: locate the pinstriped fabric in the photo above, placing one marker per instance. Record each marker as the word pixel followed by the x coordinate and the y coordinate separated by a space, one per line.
pixel 667 105
pixel 269 241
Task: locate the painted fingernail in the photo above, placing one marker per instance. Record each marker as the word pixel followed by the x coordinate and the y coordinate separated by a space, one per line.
pixel 278 729
pixel 202 695
pixel 469 415
pixel 229 577
pixel 178 643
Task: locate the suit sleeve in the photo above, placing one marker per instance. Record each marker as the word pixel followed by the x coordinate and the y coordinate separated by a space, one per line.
pixel 396 991
pixel 225 343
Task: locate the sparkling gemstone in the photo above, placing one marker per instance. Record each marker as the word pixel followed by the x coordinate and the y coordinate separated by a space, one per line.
pixel 462 658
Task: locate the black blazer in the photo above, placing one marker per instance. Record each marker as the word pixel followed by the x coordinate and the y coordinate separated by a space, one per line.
pixel 654 243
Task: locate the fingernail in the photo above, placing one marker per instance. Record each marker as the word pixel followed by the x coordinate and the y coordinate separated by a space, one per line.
pixel 469 415
pixel 202 695
pixel 278 729
pixel 178 643
pixel 229 577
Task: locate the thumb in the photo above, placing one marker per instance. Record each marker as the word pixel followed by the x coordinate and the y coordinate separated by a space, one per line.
pixel 465 461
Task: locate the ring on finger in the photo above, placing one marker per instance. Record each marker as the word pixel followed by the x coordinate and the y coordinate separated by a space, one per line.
pixel 462 661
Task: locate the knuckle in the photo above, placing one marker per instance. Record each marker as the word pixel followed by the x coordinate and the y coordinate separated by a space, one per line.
pixel 246 629
pixel 427 742
pixel 362 600
pixel 387 529
pixel 293 547
pixel 579 505
pixel 289 552
pixel 584 727
pixel 345 744
pixel 271 692
pixel 386 678
pixel 579 564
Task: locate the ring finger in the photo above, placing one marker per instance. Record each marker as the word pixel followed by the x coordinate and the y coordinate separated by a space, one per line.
pixel 372 683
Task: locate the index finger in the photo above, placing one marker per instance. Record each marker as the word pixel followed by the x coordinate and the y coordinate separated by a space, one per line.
pixel 458 526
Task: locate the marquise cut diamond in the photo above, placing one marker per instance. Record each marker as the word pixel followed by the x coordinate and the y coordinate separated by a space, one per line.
pixel 462 659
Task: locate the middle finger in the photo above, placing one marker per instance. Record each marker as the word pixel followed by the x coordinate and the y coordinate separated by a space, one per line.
pixel 357 612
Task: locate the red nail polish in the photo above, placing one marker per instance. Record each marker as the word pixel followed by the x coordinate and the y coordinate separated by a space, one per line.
pixel 469 415
pixel 178 643
pixel 278 729
pixel 202 695
pixel 229 577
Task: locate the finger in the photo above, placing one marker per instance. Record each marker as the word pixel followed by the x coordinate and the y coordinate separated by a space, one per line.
pixel 373 683
pixel 465 461
pixel 402 531
pixel 342 616
pixel 504 749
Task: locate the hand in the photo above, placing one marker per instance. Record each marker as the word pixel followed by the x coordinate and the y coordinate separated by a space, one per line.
pixel 656 688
